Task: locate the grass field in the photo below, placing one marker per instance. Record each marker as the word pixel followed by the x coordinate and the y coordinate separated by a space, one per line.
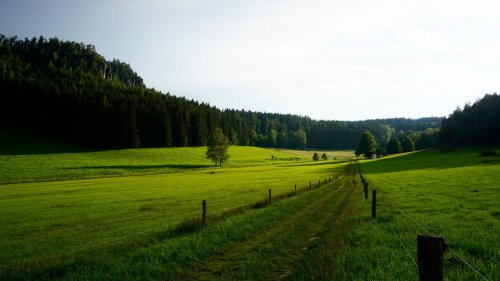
pixel 454 195
pixel 128 215
pixel 46 221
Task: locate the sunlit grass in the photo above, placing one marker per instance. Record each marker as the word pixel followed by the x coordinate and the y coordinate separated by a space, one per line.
pixel 43 219
pixel 454 195
pixel 58 166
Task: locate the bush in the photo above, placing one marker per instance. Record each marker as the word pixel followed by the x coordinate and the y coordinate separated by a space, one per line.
pixel 315 156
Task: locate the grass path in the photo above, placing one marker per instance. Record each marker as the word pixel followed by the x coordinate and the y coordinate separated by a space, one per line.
pixel 273 254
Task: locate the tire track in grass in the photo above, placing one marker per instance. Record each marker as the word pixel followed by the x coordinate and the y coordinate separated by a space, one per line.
pixel 271 254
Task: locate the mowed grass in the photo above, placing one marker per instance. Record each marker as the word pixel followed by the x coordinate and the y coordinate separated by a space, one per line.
pixel 257 244
pixel 88 164
pixel 455 195
pixel 47 221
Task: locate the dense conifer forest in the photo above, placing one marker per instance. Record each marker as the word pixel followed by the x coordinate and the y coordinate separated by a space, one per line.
pixel 475 124
pixel 68 90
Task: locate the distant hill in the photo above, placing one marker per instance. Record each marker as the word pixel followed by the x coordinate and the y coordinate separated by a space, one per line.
pixel 69 91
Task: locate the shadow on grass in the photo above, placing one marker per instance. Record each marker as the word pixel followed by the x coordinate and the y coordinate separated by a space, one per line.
pixel 432 159
pixel 318 163
pixel 140 167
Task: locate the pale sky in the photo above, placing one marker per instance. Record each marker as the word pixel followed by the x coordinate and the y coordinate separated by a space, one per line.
pixel 341 60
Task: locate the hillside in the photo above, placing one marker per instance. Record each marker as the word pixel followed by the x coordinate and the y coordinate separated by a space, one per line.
pixel 145 227
pixel 67 90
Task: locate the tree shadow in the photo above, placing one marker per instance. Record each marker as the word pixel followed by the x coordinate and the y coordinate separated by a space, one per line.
pixel 141 167
pixel 318 163
pixel 431 159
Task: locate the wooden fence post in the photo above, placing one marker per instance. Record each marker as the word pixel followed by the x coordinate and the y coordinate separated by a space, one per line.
pixel 269 196
pixel 310 185
pixel 365 188
pixel 325 180
pixel 430 257
pixel 319 183
pixel 374 204
pixel 204 213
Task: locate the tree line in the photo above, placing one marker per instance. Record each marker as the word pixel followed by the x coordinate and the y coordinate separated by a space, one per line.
pixel 66 89
pixel 476 124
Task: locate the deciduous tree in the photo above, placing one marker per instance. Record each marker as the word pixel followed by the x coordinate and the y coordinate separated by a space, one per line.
pixel 217 148
pixel 407 144
pixel 315 156
pixel 394 146
pixel 367 145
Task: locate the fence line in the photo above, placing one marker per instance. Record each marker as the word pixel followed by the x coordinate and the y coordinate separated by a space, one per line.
pixel 178 219
pixel 468 264
pixel 406 249
pixel 212 203
pixel 391 206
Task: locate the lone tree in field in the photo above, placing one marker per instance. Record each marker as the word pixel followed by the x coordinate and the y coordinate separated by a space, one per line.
pixel 324 157
pixel 394 146
pixel 217 147
pixel 315 156
pixel 407 144
pixel 367 145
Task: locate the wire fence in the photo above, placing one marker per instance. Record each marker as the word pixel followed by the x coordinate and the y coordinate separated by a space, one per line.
pixel 410 220
pixel 168 219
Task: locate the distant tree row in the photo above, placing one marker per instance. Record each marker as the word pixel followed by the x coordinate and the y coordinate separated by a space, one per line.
pixel 368 145
pixel 403 144
pixel 476 124
pixel 67 89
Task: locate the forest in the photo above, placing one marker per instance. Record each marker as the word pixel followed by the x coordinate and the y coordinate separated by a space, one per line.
pixel 67 90
pixel 476 124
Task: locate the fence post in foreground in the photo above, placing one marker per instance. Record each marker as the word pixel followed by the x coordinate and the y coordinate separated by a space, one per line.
pixel 430 257
pixel 365 188
pixel 204 214
pixel 374 204
pixel 310 185
pixel 319 183
pixel 325 180
pixel 269 196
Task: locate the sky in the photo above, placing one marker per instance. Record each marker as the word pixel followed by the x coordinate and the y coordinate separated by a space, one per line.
pixel 333 60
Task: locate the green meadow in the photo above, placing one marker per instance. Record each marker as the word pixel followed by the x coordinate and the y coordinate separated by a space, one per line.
pixel 454 195
pixel 134 214
pixel 123 194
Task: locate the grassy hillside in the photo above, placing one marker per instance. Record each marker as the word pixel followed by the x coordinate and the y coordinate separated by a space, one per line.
pixel 60 166
pixel 128 215
pixel 56 217
pixel 454 195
